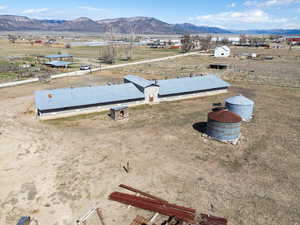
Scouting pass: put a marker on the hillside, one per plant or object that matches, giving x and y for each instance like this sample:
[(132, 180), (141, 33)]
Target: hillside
[(137, 25)]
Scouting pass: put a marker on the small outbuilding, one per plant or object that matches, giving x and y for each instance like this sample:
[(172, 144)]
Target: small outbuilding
[(119, 113), (60, 57), (218, 66), (57, 64), (222, 51), (241, 106)]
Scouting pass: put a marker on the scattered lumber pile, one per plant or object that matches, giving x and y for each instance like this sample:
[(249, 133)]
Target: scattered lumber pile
[(152, 203), (139, 220)]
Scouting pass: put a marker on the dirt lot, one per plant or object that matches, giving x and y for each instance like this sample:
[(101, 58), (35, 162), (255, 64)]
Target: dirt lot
[(55, 171)]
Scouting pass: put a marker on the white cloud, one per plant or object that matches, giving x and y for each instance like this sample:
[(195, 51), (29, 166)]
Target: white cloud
[(270, 2), (252, 16), (90, 8), (3, 7), (232, 5), (34, 11)]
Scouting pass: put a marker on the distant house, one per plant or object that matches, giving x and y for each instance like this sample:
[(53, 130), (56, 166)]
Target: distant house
[(222, 51), (295, 38), (58, 64), (61, 57), (52, 58)]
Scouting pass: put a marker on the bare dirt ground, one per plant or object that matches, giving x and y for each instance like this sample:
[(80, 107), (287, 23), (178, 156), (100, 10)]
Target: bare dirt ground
[(55, 171)]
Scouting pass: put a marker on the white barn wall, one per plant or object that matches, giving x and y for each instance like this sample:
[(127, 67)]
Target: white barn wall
[(76, 112), (190, 96), (151, 91), (222, 52)]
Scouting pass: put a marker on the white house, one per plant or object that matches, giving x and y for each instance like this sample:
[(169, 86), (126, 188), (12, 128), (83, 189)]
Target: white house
[(222, 51)]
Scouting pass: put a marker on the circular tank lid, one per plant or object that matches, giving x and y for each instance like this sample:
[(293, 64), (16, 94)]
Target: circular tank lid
[(239, 100), (224, 116)]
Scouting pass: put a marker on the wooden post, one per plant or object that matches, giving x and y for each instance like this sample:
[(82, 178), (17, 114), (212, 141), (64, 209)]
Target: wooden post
[(154, 217), (100, 216), (84, 218)]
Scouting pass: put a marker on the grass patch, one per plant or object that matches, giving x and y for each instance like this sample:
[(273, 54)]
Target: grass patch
[(163, 50), (29, 59), (5, 63), (8, 75)]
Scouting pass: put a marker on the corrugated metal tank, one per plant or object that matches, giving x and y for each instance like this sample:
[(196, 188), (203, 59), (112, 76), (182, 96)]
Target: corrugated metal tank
[(223, 125), (241, 106)]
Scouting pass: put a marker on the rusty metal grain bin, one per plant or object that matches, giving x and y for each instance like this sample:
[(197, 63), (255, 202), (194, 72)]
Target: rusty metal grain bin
[(223, 125), (241, 106)]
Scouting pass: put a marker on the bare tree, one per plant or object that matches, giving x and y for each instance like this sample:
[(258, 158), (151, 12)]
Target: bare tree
[(108, 53), (225, 41), (243, 39), (187, 43), (205, 43), (12, 38), (128, 50), (290, 44)]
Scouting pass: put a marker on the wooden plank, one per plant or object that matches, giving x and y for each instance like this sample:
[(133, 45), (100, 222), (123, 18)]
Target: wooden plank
[(139, 220), (140, 192)]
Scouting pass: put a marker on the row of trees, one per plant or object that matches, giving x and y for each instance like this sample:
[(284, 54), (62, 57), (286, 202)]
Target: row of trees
[(112, 52), (195, 42)]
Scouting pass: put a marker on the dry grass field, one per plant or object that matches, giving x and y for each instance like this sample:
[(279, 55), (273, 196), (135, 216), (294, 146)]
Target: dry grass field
[(57, 170), (24, 53)]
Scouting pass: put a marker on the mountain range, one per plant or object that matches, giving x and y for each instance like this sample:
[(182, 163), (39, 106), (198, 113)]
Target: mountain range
[(137, 25)]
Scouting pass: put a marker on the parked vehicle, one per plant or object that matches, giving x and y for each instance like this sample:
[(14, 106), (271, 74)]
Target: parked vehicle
[(85, 67)]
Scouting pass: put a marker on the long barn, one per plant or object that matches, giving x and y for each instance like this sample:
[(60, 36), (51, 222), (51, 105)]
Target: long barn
[(135, 90)]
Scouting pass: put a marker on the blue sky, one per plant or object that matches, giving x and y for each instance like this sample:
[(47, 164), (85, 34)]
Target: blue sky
[(239, 14)]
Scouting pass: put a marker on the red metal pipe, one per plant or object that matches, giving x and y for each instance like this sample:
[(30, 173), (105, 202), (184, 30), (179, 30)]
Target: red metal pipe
[(155, 201), (162, 209), (165, 208)]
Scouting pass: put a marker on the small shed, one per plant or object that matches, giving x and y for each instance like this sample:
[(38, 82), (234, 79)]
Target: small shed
[(119, 113), (60, 57), (222, 51), (58, 64), (218, 66)]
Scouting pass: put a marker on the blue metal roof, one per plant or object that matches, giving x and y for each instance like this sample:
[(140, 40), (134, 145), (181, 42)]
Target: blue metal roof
[(298, 36), (190, 84), (58, 63), (72, 97), (239, 100), (58, 56), (139, 81)]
